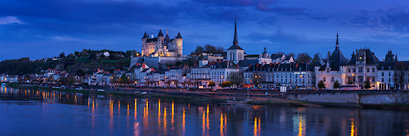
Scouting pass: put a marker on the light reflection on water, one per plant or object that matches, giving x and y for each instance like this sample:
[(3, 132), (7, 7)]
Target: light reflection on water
[(59, 113)]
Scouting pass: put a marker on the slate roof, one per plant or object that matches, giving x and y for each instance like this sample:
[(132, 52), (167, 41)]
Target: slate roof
[(235, 47), (336, 59), (152, 39), (392, 65), (246, 62), (179, 36), (145, 35), (281, 67), (370, 58), (275, 56), (160, 33)]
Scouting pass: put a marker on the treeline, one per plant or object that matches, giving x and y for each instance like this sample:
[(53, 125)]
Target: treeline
[(20, 66), (87, 59)]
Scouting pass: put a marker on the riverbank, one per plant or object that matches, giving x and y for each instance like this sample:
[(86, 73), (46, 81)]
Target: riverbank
[(198, 97)]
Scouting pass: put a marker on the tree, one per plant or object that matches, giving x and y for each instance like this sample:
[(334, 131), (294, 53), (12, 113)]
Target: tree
[(226, 84), (350, 81), (316, 58), (92, 56), (235, 78), (367, 84), (209, 48), (62, 55), (71, 79), (211, 83), (303, 57), (219, 49), (71, 56), (336, 84), (199, 49), (124, 79), (77, 54), (291, 54), (128, 54), (84, 52), (80, 72), (27, 77), (321, 84)]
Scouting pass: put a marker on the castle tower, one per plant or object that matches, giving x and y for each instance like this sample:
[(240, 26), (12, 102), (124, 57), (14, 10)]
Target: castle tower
[(179, 44), (144, 38), (235, 53)]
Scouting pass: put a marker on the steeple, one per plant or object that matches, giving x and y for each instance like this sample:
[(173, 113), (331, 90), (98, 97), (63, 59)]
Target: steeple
[(145, 35), (396, 57), (235, 41), (160, 33), (337, 43)]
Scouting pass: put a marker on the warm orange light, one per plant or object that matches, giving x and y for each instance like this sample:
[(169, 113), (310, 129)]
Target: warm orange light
[(183, 121)]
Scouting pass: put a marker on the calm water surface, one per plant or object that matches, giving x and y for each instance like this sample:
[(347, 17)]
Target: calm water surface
[(39, 112)]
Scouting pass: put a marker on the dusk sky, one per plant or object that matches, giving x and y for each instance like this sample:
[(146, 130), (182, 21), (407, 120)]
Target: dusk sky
[(45, 28)]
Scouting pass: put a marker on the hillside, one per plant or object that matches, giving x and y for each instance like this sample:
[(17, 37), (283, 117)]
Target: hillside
[(87, 60)]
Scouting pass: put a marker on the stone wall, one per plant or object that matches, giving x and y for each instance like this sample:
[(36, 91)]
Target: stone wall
[(397, 98), (376, 97), (326, 97)]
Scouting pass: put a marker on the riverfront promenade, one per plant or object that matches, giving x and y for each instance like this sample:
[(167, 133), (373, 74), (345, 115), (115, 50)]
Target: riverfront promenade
[(304, 98)]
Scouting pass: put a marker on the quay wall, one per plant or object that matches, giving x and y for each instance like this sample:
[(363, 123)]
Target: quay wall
[(361, 97)]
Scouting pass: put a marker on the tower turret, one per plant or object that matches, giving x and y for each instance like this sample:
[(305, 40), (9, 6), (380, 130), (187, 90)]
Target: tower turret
[(179, 44)]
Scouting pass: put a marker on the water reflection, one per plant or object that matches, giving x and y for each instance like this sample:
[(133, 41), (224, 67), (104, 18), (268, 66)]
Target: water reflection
[(93, 114)]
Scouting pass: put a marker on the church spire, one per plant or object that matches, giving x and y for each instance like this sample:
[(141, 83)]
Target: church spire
[(337, 43), (396, 57), (235, 41), (235, 45)]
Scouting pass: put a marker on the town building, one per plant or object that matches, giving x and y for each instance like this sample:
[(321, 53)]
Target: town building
[(292, 75), (333, 70), (217, 72)]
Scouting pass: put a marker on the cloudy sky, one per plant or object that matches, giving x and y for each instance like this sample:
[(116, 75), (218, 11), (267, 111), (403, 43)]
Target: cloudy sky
[(45, 28)]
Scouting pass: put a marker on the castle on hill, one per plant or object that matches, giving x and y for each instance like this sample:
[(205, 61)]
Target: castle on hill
[(161, 46)]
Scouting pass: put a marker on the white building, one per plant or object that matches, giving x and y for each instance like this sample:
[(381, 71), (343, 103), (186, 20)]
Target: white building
[(271, 75), (9, 78), (176, 76), (264, 58), (217, 72), (333, 70), (281, 58), (235, 53)]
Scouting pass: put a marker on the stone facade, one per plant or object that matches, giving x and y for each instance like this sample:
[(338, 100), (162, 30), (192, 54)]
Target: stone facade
[(162, 46)]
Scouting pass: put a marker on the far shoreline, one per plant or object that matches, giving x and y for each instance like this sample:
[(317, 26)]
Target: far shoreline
[(275, 102)]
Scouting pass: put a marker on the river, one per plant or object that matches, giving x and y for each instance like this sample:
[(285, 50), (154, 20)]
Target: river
[(40, 112)]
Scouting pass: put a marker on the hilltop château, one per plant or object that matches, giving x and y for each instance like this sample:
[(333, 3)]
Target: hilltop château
[(162, 46)]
